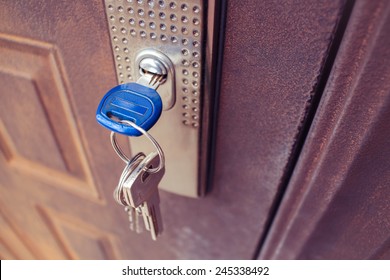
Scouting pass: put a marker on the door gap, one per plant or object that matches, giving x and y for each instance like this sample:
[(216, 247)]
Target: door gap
[(306, 124)]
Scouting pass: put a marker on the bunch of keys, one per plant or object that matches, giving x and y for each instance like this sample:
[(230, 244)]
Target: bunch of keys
[(132, 109)]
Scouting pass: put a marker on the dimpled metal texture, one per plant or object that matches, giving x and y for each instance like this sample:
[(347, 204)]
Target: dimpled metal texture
[(174, 28)]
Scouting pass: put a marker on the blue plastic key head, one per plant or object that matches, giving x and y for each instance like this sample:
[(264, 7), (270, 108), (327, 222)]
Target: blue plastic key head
[(132, 102)]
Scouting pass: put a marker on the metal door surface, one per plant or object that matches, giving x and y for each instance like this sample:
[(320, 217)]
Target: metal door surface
[(58, 170)]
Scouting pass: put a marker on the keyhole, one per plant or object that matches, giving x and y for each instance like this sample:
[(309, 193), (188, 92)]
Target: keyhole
[(153, 66), (146, 72)]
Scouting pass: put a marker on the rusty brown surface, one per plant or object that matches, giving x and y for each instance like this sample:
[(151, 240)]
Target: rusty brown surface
[(337, 205), (274, 55), (271, 64)]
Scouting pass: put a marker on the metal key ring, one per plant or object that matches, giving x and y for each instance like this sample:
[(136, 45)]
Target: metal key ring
[(117, 149), (126, 170), (122, 155)]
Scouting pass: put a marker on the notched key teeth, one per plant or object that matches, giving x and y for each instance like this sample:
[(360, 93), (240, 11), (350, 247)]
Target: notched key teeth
[(138, 227), (130, 213)]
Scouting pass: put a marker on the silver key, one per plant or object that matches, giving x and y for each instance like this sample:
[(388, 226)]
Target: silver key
[(152, 215), (130, 212), (119, 195), (142, 190), (138, 214), (134, 217), (140, 184)]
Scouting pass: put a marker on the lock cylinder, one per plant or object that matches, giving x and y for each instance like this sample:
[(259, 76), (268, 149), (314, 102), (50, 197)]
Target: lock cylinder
[(153, 66), (151, 61), (173, 45)]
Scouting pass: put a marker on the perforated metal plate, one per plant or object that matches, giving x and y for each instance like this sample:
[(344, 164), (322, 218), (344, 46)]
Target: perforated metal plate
[(184, 31)]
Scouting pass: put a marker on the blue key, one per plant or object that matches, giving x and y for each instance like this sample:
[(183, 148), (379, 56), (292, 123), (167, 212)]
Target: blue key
[(132, 102)]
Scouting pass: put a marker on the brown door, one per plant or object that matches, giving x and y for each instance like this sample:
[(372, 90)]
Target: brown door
[(58, 170)]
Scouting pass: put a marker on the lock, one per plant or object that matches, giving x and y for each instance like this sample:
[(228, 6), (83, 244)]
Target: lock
[(155, 62), (139, 102), (180, 41)]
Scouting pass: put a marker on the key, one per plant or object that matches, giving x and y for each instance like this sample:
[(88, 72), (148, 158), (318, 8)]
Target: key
[(152, 215), (136, 102), (119, 196), (140, 184), (141, 189), (133, 216), (138, 214), (130, 213)]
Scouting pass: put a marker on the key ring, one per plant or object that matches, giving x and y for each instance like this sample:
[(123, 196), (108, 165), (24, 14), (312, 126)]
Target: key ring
[(122, 155)]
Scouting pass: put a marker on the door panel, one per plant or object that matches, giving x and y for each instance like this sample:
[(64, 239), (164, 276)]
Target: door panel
[(52, 197), (58, 170), (38, 129), (339, 192), (273, 58)]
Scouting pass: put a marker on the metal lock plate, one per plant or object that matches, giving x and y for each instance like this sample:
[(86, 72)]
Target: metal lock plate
[(185, 32)]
